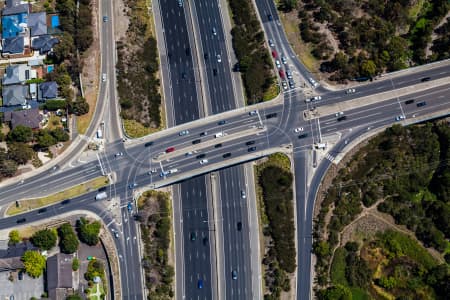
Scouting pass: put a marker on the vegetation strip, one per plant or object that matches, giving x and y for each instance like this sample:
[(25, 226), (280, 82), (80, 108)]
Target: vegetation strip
[(137, 69), (30, 204), (255, 63), (155, 217), (277, 218)]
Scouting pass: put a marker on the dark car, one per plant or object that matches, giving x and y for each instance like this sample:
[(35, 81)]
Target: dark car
[(200, 156), (67, 201), (226, 155), (420, 104), (206, 56), (102, 189), (425, 79), (223, 122), (251, 149), (188, 51), (197, 141), (302, 136), (234, 275), (342, 118), (148, 144), (20, 221), (409, 101), (250, 143), (42, 210), (183, 75), (20, 276), (193, 236), (272, 115), (204, 133), (215, 72), (200, 284), (239, 226), (205, 240), (269, 17), (217, 145)]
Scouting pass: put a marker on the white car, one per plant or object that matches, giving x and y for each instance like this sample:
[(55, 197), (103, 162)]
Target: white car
[(339, 113), (104, 77), (350, 91), (219, 58), (277, 62), (316, 98), (313, 82), (152, 171), (189, 153), (284, 84), (252, 113), (283, 60), (203, 161), (399, 118), (119, 154), (214, 31), (298, 129), (243, 194), (184, 132), (289, 74)]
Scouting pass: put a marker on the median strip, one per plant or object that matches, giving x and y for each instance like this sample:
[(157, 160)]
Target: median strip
[(29, 204)]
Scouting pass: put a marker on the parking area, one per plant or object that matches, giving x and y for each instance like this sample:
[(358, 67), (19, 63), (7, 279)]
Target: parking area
[(85, 251), (20, 289)]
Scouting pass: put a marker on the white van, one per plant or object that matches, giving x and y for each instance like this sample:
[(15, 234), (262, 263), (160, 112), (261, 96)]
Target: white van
[(218, 135), (171, 171)]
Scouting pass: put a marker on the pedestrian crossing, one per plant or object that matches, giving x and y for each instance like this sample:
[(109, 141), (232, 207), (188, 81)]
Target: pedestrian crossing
[(329, 157)]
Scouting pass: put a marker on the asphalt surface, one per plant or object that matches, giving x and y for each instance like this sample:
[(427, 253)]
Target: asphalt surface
[(193, 260)]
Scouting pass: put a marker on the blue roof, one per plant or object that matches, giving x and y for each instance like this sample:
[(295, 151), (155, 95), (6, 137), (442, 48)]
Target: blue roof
[(10, 25), (55, 21)]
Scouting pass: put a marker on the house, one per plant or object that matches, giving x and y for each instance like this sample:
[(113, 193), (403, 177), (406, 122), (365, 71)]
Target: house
[(29, 118), (10, 256), (48, 90), (14, 25), (44, 43), (15, 7), (14, 45), (37, 22), (59, 276), (17, 74), (14, 95)]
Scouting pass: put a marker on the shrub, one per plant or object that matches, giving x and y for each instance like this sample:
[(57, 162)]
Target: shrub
[(44, 239)]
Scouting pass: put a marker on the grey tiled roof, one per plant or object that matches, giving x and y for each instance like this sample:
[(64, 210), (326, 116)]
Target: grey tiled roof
[(28, 117), (59, 271), (38, 23), (14, 7), (13, 45), (44, 43), (15, 74), (49, 90), (14, 95)]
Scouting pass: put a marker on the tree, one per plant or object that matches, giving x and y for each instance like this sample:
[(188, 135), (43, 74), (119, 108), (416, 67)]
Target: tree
[(14, 237), (79, 107), (368, 68), (45, 139), (74, 297), (21, 153), (60, 135), (44, 239), (75, 264), (88, 232), (8, 167), (68, 240), (34, 263), (21, 134)]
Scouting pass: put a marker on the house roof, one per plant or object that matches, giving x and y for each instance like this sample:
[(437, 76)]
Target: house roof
[(44, 43), (16, 74), (10, 263), (13, 25), (14, 95), (59, 271), (14, 7), (49, 90), (13, 45), (38, 23), (28, 117)]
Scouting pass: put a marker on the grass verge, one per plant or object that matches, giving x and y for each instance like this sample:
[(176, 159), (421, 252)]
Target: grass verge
[(134, 129), (272, 92), (30, 204)]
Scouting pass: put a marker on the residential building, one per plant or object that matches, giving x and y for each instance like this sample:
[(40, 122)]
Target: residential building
[(14, 95), (59, 276), (37, 22), (18, 74), (48, 90), (14, 45), (44, 43), (27, 117), (13, 7)]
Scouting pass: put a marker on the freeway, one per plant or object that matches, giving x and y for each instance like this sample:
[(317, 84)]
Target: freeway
[(233, 246)]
